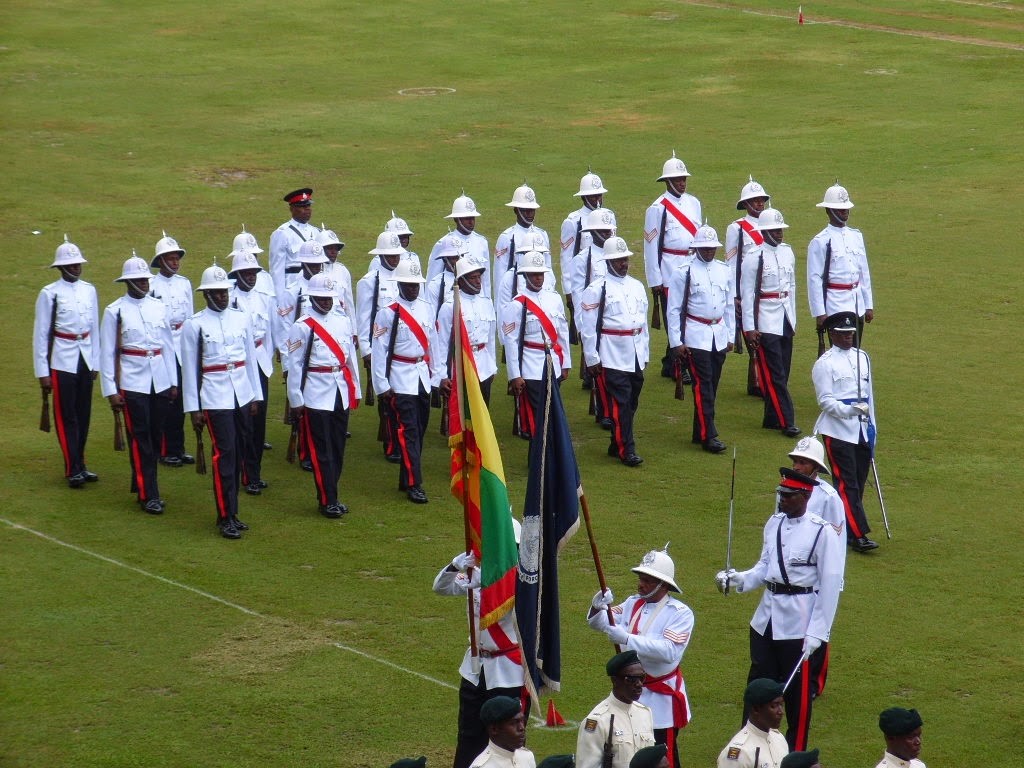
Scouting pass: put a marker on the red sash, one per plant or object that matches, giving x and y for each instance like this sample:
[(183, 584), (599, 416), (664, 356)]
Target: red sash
[(679, 216), (545, 323), (332, 344), (414, 326), (747, 227), (505, 645), (660, 685)]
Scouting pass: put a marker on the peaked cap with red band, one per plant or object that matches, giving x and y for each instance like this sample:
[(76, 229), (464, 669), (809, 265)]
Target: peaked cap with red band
[(795, 482), (302, 196)]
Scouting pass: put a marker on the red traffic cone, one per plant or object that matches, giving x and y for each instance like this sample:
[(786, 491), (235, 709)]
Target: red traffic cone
[(554, 718), (800, 15)]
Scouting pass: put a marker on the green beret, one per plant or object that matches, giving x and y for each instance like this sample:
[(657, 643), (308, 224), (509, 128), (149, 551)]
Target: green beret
[(648, 757), (761, 691), (897, 721), (499, 709), (410, 762), (558, 761), (620, 661), (800, 759)]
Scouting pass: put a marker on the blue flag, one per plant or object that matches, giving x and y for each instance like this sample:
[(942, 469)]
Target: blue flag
[(550, 518)]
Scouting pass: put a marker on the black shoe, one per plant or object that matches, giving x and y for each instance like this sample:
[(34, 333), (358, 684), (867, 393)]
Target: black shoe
[(90, 477), (307, 465), (348, 435), (393, 458), (632, 460), (253, 489), (171, 461), (77, 481), (267, 446), (416, 495), (714, 445), (792, 430), (525, 435), (228, 530), (239, 525), (187, 458), (863, 544), (606, 423), (152, 507), (262, 483), (333, 511)]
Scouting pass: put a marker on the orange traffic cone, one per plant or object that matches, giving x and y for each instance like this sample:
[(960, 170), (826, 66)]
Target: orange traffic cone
[(800, 15), (554, 718)]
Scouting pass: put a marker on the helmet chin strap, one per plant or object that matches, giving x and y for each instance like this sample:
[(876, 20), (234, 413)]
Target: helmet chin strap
[(653, 592)]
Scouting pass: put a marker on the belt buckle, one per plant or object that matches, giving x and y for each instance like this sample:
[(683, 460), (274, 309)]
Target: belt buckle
[(78, 337), (229, 367), (335, 368), (149, 353)]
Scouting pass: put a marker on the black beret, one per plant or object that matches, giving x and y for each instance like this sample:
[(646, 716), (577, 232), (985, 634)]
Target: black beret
[(841, 321), (800, 759), (648, 757), (761, 691), (499, 709), (558, 761), (620, 661), (897, 721), (410, 762)]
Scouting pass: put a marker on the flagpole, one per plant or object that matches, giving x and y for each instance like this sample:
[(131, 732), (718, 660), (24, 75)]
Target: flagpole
[(597, 557)]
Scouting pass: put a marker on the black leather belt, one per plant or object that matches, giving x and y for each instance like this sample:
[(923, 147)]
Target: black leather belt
[(786, 589)]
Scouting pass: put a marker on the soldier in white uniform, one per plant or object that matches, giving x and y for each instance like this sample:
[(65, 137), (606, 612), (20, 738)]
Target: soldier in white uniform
[(338, 273), (397, 225), (66, 356), (534, 327), (524, 204), (759, 743), (221, 389), (496, 671), (439, 288), (700, 329), (575, 238), (768, 295), (902, 729), (267, 328), (838, 278), (464, 214), (616, 344), (742, 237), (323, 387), (670, 224), (403, 340), (175, 291), (620, 725), (658, 628), (286, 239), (584, 268), (139, 375), (843, 386), (801, 571), (511, 281), (506, 735), (246, 241), (808, 457), (481, 327)]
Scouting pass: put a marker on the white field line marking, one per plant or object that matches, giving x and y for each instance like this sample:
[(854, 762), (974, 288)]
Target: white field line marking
[(222, 601), (963, 40)]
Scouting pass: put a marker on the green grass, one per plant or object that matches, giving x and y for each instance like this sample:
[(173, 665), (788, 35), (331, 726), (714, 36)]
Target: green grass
[(121, 119)]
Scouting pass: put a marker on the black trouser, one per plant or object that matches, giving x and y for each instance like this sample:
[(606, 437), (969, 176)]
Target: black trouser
[(325, 431), (144, 416), (850, 464), (776, 659), (705, 370), (473, 733), (387, 429), (623, 389), (252, 470), (229, 430), (774, 359), (670, 738), (531, 403), (72, 410), (410, 414), (172, 437)]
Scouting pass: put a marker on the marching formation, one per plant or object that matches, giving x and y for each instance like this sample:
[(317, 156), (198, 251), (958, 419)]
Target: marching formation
[(389, 340)]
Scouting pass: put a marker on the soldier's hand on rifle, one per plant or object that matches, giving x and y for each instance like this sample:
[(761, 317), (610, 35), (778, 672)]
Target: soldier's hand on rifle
[(46, 384), (658, 290), (753, 338), (172, 394), (366, 359), (254, 407), (869, 315), (517, 385), (681, 351), (819, 322), (387, 394), (565, 374), (198, 420), (594, 370), (730, 347), (446, 387), (116, 402), (297, 412)]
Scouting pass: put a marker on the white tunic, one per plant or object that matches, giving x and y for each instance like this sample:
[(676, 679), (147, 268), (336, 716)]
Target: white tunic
[(778, 288), (147, 351), (848, 275), (836, 387), (632, 730), (711, 319), (176, 294), (227, 348), (76, 323), (625, 315), (677, 239)]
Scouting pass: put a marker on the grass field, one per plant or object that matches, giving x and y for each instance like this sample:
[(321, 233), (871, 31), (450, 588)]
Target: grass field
[(129, 640)]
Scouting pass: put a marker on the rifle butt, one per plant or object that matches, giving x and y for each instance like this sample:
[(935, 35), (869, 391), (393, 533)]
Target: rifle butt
[(44, 415), (656, 311), (293, 443), (680, 387), (118, 432), (200, 452)]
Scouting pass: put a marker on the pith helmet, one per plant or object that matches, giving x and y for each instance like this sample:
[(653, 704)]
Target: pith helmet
[(311, 252), (615, 248), (463, 208), (67, 254), (673, 168), (215, 279), (321, 285), (771, 218), (164, 245), (244, 241), (590, 184), (706, 237), (523, 197), (599, 219), (452, 246), (811, 449), (751, 190), (658, 564), (328, 237), (134, 268), (407, 272), (242, 260), (388, 245), (397, 225), (468, 264), (533, 261), (836, 197), (534, 241)]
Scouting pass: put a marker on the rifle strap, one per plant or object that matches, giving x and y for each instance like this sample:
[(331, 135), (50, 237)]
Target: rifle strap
[(295, 229), (824, 275), (757, 290), (522, 331), (600, 314), (684, 308)]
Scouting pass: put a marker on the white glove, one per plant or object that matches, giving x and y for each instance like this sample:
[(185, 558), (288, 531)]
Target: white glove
[(618, 635), (862, 409), (729, 578), (602, 600), (463, 561), (811, 644)]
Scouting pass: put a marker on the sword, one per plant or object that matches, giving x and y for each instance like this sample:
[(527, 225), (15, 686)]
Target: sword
[(881, 501), (732, 502), (803, 658)]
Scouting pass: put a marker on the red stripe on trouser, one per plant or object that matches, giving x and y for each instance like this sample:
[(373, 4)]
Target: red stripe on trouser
[(823, 672), (527, 418), (804, 723), (768, 386), (314, 457), (670, 747), (403, 448), (58, 418), (620, 445), (215, 458), (303, 440), (698, 401), (601, 411), (842, 490), (136, 458)]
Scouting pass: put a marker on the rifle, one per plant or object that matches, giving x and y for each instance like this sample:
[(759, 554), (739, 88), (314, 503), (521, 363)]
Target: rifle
[(658, 309), (200, 448), (599, 327), (683, 310), (369, 398), (728, 542), (607, 754), (293, 437), (293, 442), (444, 414), (44, 414), (824, 298), (200, 452), (118, 425), (574, 334), (737, 344)]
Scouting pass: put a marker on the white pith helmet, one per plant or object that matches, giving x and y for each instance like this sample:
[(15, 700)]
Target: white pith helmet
[(533, 262), (388, 245), (398, 226), (215, 279), (463, 207), (244, 241), (658, 564), (134, 268), (322, 286), (242, 260), (468, 264), (523, 197), (590, 184), (750, 191), (836, 197), (452, 246), (615, 248), (328, 237), (673, 168), (706, 237), (311, 252), (166, 244), (67, 253), (407, 272), (770, 218), (599, 219), (810, 448), (534, 241)]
